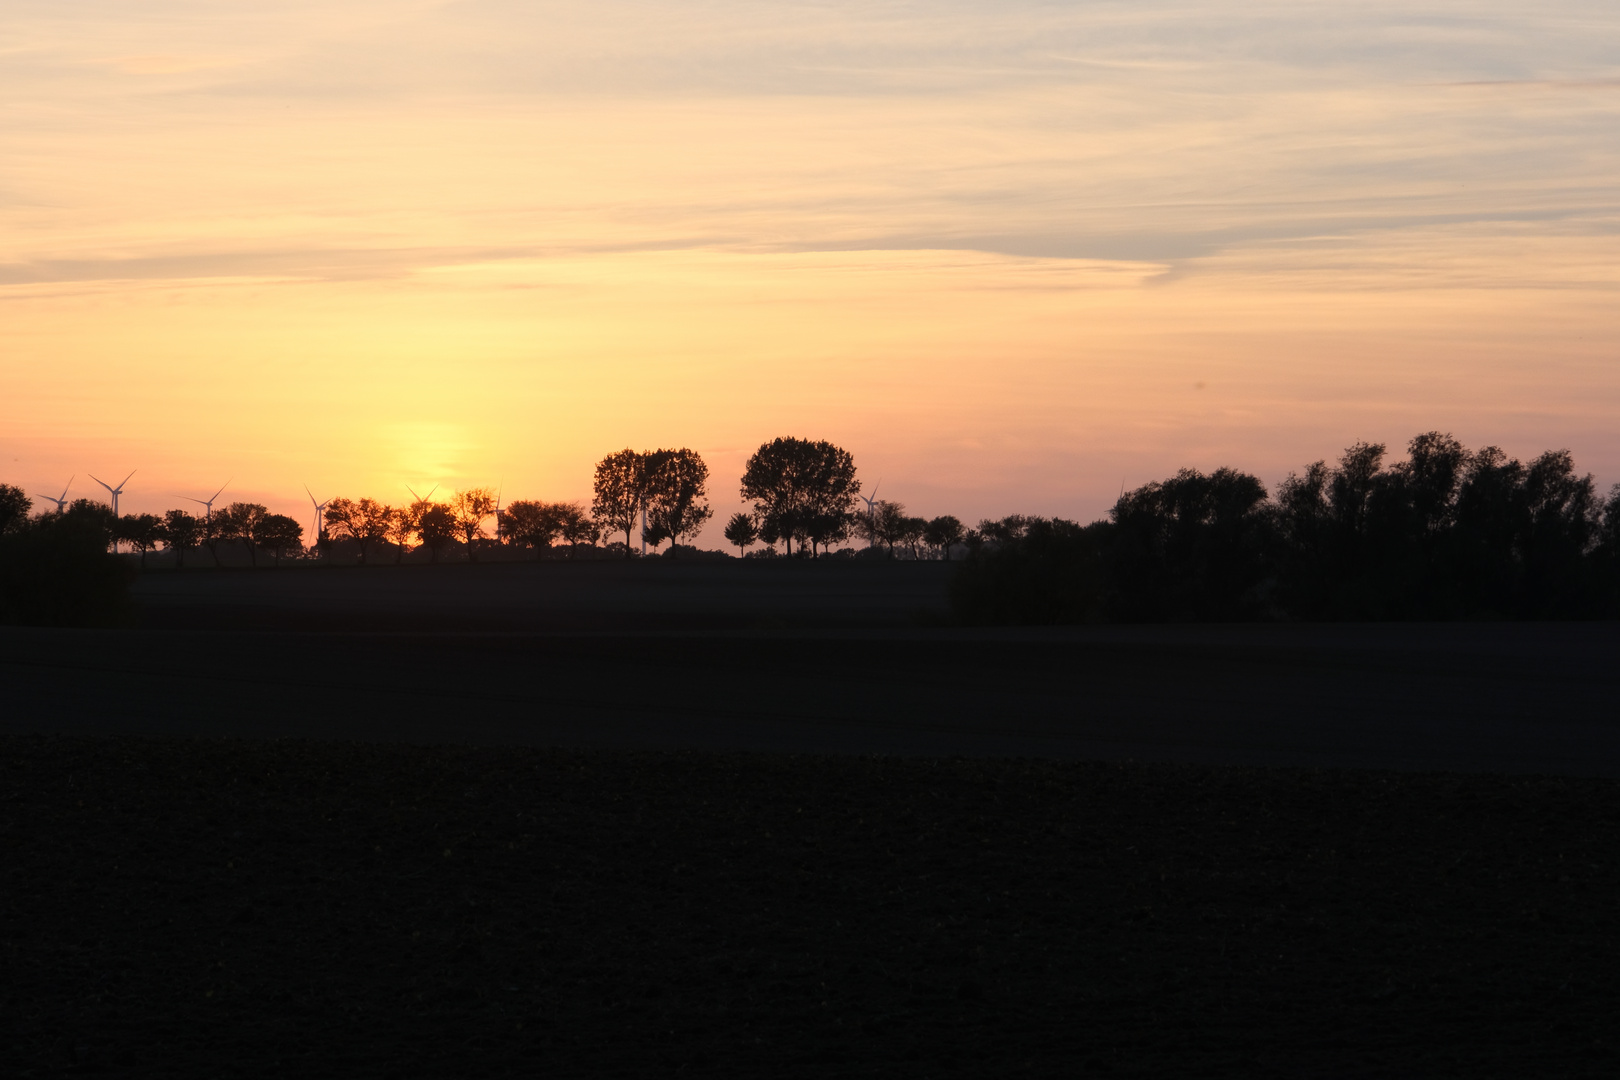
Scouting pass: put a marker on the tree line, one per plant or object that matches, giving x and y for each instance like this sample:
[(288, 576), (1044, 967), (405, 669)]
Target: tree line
[(803, 491), (1447, 533), (803, 494)]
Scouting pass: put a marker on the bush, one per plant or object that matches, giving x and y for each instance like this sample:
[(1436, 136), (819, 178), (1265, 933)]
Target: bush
[(1054, 573), (56, 571), (688, 552)]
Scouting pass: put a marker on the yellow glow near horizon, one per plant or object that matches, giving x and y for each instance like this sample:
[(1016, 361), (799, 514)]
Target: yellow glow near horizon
[(1011, 259)]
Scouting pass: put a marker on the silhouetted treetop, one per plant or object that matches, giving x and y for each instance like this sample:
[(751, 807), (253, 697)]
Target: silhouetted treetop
[(469, 509), (14, 507), (365, 521), (620, 490), (801, 490), (182, 532), (675, 490), (740, 530)]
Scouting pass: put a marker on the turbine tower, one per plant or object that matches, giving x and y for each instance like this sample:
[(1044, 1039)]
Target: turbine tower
[(208, 503), (115, 492), (320, 508), (499, 488), (61, 502), (870, 503)]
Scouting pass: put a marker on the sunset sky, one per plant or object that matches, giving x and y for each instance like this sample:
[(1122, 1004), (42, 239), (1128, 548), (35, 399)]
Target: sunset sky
[(1013, 256)]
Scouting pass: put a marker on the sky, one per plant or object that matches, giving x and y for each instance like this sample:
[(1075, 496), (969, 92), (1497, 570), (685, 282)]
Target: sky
[(1013, 256)]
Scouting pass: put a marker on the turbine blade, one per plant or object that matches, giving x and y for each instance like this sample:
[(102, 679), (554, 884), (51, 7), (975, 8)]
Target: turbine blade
[(125, 480), (222, 487)]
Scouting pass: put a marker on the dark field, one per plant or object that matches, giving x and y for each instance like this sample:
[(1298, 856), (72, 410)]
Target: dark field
[(805, 658), (241, 837), (613, 596), (243, 909)]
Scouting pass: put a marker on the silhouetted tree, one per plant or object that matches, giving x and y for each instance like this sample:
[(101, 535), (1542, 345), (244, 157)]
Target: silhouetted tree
[(365, 521), (826, 528), (1563, 522), (620, 490), (577, 526), (675, 489), (863, 525), (240, 521), (770, 531), (279, 534), (1606, 554), (437, 528), (1004, 530), (1193, 546), (798, 488), (1053, 571), (469, 509), (888, 523), (740, 530), (944, 532), (14, 507), (535, 524), (913, 530), (55, 569), (181, 532), (143, 531), (402, 527), (208, 533)]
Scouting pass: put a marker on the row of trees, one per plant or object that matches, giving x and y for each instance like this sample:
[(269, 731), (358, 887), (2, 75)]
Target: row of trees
[(251, 525), (1447, 533), (802, 492)]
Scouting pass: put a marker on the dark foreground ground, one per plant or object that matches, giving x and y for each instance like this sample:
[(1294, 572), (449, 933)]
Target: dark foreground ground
[(780, 821), (1500, 698), (231, 908), (800, 657)]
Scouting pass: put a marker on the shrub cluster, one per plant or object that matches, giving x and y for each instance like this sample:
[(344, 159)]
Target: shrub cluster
[(55, 570), (1446, 534)]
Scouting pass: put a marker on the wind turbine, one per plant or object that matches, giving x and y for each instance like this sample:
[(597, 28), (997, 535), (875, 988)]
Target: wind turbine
[(320, 508), (62, 501), (870, 516), (208, 503), (422, 498), (113, 491), (500, 487)]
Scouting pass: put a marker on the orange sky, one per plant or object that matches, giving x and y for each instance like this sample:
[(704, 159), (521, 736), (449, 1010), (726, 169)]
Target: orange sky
[(1010, 259)]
